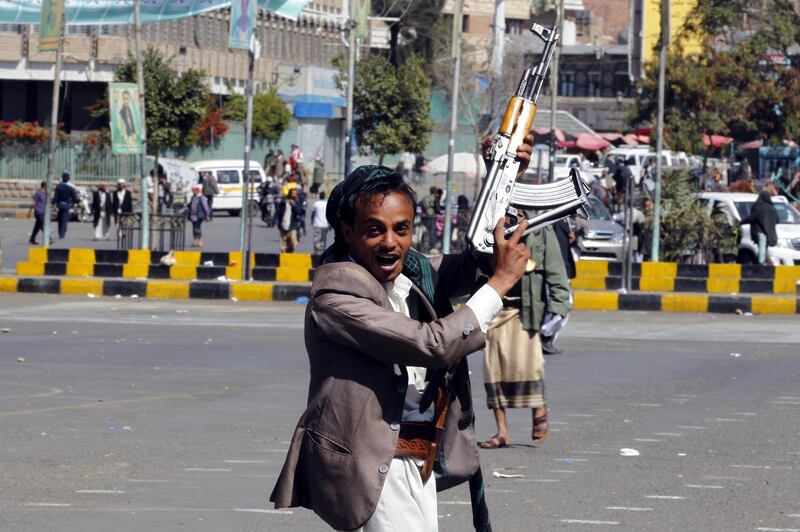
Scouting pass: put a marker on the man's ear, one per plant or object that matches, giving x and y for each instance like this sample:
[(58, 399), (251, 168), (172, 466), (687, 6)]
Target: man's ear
[(347, 232)]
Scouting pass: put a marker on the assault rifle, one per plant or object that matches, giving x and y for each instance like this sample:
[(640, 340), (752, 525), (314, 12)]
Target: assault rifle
[(500, 195)]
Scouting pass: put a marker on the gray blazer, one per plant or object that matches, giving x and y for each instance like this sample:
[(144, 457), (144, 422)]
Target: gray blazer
[(345, 440)]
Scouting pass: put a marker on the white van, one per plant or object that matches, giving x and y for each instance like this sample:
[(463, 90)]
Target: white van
[(644, 157), (736, 206), (229, 179)]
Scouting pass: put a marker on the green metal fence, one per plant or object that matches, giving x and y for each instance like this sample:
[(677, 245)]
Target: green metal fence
[(24, 162)]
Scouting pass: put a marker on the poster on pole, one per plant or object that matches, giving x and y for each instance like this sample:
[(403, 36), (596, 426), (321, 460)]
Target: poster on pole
[(126, 119), (243, 21), (361, 16), (50, 25)]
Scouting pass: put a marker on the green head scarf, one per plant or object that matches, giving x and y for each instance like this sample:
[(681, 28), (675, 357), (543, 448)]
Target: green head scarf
[(416, 266)]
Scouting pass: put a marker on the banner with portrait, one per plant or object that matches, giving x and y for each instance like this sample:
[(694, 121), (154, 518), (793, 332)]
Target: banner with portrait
[(50, 25), (243, 21), (125, 119)]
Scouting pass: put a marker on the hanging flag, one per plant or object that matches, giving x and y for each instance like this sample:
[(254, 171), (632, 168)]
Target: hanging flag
[(126, 119), (361, 9), (243, 23), (50, 25), (110, 12)]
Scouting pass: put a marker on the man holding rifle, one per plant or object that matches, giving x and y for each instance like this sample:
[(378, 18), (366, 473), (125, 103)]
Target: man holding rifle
[(389, 419)]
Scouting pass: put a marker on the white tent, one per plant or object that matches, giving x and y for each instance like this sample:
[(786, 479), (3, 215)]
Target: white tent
[(463, 163)]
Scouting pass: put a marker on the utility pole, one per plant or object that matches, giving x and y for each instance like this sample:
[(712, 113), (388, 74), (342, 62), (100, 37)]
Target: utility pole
[(350, 26), (551, 171), (53, 129), (451, 145), (246, 218), (662, 71), (145, 180)]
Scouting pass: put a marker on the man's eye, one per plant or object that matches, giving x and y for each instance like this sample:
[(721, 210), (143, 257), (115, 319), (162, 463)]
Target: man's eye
[(402, 230), (373, 231)]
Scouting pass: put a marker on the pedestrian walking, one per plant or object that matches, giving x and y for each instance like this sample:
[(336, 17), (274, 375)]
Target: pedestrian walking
[(513, 351), (122, 202), (165, 197), (419, 163), (380, 418), (554, 322), (199, 211), (64, 197), (289, 215), (429, 208), (38, 210), (763, 219), (210, 189), (320, 224), (102, 211), (269, 164), (280, 166)]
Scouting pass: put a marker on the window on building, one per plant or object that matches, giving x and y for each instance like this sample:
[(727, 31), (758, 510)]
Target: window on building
[(516, 26), (10, 28), (622, 84), (567, 83), (593, 84), (583, 22)]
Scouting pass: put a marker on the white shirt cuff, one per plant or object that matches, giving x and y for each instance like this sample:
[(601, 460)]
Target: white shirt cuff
[(486, 303)]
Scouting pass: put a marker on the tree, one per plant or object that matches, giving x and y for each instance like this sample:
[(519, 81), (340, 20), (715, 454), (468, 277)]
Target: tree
[(686, 228), (270, 114), (733, 87), (392, 105), (174, 104), (420, 28)]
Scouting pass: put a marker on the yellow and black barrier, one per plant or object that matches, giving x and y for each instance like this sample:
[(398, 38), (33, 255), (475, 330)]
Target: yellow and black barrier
[(262, 291), (158, 289), (705, 278), (145, 264)]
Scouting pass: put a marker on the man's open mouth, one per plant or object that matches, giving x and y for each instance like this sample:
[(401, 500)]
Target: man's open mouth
[(387, 262)]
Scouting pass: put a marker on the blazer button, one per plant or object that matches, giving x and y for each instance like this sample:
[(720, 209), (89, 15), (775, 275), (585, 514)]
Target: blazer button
[(468, 329), (383, 469), (394, 426)]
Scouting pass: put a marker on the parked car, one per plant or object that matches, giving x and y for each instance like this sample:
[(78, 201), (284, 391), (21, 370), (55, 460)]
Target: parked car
[(599, 237), (229, 179), (736, 206), (644, 157)]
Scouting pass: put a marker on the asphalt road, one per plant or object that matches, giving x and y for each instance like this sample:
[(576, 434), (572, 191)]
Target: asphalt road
[(141, 415)]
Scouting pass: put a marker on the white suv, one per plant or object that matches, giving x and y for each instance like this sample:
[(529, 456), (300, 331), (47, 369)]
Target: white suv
[(737, 205)]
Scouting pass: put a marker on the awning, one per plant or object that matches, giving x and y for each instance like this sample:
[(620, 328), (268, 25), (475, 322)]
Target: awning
[(109, 12), (716, 140), (589, 142)]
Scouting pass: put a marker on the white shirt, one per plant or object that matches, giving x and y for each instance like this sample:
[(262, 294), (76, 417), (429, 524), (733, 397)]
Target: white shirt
[(102, 196), (485, 304), (318, 218)]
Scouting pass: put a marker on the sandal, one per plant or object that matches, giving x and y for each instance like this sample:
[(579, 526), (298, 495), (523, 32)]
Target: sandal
[(495, 442), (541, 429)]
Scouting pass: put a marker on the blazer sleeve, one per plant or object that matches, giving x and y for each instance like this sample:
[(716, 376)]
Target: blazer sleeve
[(555, 275), (353, 319)]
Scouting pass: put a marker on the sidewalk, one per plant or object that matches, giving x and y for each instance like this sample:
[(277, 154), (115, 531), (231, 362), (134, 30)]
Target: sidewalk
[(221, 235)]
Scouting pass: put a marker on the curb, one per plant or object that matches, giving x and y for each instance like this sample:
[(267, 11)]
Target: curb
[(156, 289), (265, 291), (697, 303)]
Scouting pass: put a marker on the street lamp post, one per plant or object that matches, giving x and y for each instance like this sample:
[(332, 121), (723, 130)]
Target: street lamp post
[(451, 145), (53, 130), (662, 69)]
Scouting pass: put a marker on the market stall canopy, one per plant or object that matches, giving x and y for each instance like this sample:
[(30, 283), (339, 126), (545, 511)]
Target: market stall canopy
[(716, 140), (752, 145), (589, 142), (463, 163), (109, 12), (543, 135)]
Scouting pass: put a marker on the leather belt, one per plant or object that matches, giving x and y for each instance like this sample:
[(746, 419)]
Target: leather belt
[(416, 440)]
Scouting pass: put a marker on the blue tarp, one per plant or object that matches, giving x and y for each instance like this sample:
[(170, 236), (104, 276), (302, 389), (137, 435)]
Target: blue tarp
[(314, 110)]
